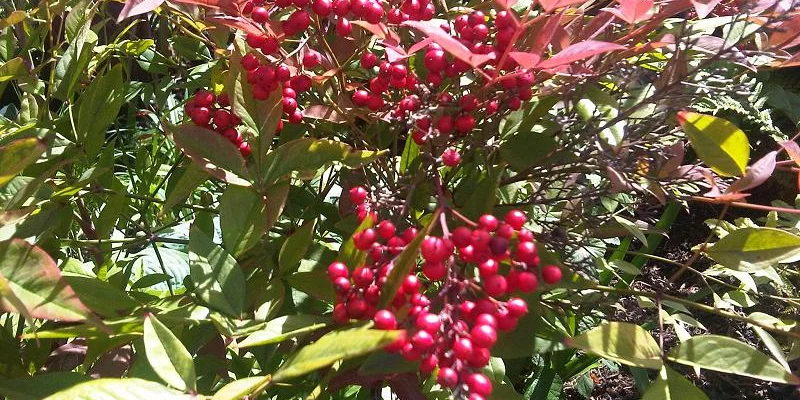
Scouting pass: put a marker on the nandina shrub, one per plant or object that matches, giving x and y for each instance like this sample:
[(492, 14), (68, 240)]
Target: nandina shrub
[(389, 199)]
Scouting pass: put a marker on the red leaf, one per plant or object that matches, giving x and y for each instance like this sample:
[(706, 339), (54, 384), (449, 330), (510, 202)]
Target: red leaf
[(433, 30), (755, 174), (550, 5), (633, 11), (704, 7), (793, 150), (204, 3), (579, 51), (506, 4), (525, 60), (379, 30), (243, 24), (784, 35), (544, 36), (136, 7)]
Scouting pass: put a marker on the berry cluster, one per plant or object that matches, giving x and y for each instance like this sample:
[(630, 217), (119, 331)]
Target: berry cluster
[(451, 313), (213, 112), (264, 78)]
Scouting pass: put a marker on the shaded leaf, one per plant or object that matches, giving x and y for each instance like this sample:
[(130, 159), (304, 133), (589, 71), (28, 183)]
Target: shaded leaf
[(218, 279), (335, 346), (136, 7), (242, 218), (97, 109), (283, 328), (309, 154), (724, 354), (718, 143), (40, 386), (401, 267), (625, 343), (550, 5), (704, 7), (167, 355), (295, 247), (750, 249)]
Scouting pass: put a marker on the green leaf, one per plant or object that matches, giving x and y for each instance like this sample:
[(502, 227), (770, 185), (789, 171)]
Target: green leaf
[(481, 197), (622, 342), (295, 247), (14, 68), (720, 144), (120, 389), (670, 385), (724, 354), (211, 152), (40, 386), (524, 149), (348, 253), (97, 109), (242, 217), (409, 156), (751, 249), (403, 264), (286, 327), (100, 296), (335, 346), (241, 388), (309, 154), (218, 279), (385, 363), (74, 62), (313, 283), (184, 182), (17, 155), (166, 354), (31, 284), (533, 335), (150, 280)]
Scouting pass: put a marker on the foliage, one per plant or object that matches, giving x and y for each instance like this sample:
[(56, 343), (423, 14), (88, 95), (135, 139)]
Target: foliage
[(359, 199)]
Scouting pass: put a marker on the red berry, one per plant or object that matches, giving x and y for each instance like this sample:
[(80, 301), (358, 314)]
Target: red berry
[(386, 229), (488, 268), (363, 240), (233, 136), (311, 59), (480, 357), (450, 157), (465, 123), (428, 322), (435, 249), (409, 234), (526, 252), (477, 17), (428, 364), (360, 97), (462, 236), (479, 383), (358, 194), (488, 222), (385, 320), (498, 245), (375, 102), (422, 340), (434, 271), (398, 342), (341, 285), (527, 282), (468, 102), (204, 98), (322, 8), (517, 307), (411, 284), (260, 15), (525, 235), (362, 276), (505, 321), (337, 270), (356, 308), (343, 27), (418, 299), (255, 40), (289, 105), (483, 336), (462, 349), (435, 61), (551, 274), (516, 219), (340, 314), (486, 318), (301, 83), (447, 377), (244, 149), (282, 72), (467, 309), (249, 62), (200, 115), (445, 124)]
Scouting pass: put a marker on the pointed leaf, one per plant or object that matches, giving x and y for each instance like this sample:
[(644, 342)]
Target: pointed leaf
[(704, 7), (136, 7), (98, 108), (120, 389), (212, 152), (17, 155), (241, 388), (309, 154), (335, 346), (633, 11), (40, 386), (218, 279), (405, 262), (718, 143), (295, 247), (625, 343), (242, 218), (579, 51), (31, 284), (283, 328), (433, 30), (751, 249), (756, 174), (671, 385), (724, 354), (166, 354)]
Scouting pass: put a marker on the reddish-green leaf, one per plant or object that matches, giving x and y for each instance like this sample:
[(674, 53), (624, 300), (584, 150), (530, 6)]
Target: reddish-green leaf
[(433, 30), (212, 152), (579, 51), (31, 284), (550, 5)]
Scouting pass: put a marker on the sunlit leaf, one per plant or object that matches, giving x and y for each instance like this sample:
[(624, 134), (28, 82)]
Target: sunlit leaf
[(670, 385), (212, 152), (283, 328), (119, 389), (622, 342), (750, 249), (295, 247), (167, 355), (718, 143), (218, 279), (17, 155)]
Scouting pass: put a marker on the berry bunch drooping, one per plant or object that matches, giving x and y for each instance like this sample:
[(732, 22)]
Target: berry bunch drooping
[(209, 111), (466, 289)]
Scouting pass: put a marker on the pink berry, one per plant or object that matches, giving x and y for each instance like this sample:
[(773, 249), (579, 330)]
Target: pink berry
[(486, 318), (516, 219), (358, 194), (337, 270), (526, 252), (385, 320), (480, 357), (363, 240), (409, 234), (527, 282), (435, 249), (362, 276), (447, 377), (479, 383), (483, 336), (244, 149), (551, 274), (488, 268), (435, 61), (450, 157), (488, 222), (341, 285), (356, 308)]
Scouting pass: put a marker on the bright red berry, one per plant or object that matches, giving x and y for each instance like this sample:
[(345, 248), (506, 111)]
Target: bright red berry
[(386, 229), (428, 322), (488, 268), (483, 336), (422, 340), (450, 157), (249, 62), (337, 270), (527, 281), (411, 284), (479, 383), (551, 274), (447, 377), (260, 15), (385, 320), (363, 240), (464, 123), (517, 307), (462, 349), (311, 59), (358, 194), (434, 271)]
